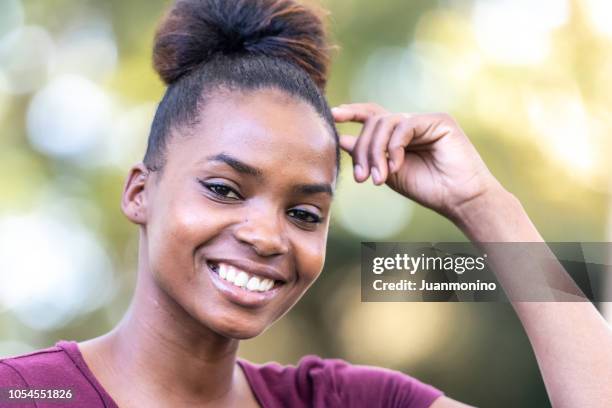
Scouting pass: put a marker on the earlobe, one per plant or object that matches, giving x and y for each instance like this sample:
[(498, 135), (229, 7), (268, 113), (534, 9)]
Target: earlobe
[(133, 199)]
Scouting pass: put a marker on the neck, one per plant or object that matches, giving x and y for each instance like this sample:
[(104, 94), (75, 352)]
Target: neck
[(166, 351)]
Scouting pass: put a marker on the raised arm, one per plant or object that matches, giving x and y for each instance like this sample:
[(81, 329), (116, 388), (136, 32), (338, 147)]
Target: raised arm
[(428, 158), (571, 340)]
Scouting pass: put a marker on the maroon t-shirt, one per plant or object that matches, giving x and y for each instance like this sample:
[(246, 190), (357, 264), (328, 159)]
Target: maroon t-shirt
[(313, 382)]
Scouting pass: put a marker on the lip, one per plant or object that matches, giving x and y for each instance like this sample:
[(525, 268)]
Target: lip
[(253, 268), (242, 296)]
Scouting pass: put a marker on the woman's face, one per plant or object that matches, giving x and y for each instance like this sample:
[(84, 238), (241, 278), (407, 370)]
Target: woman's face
[(236, 223)]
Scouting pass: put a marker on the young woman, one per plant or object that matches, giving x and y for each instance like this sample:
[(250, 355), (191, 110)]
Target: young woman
[(233, 202)]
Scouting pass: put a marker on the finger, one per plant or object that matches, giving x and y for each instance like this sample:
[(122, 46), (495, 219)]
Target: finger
[(347, 143), (356, 112), (379, 145), (360, 151), (401, 137), (427, 128)]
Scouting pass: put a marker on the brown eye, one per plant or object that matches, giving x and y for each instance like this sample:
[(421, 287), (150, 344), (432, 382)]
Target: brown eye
[(305, 216), (222, 190)]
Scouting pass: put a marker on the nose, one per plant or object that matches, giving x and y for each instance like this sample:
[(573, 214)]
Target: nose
[(264, 232)]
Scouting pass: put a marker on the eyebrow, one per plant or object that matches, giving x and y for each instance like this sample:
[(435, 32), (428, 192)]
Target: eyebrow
[(308, 189), (242, 167), (239, 166)]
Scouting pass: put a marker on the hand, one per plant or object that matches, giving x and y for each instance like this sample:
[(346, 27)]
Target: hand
[(425, 157)]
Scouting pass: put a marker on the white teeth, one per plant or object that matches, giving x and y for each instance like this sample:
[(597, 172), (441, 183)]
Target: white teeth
[(265, 284), (253, 283), (231, 273), (243, 279)]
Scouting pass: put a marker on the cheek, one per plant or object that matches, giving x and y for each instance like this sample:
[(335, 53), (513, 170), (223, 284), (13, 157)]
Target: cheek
[(310, 256), (176, 230)]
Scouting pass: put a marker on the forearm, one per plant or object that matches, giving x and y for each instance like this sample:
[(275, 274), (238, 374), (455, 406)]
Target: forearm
[(496, 216), (571, 341)]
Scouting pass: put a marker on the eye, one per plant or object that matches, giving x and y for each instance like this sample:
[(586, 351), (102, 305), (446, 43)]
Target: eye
[(221, 190), (305, 216)]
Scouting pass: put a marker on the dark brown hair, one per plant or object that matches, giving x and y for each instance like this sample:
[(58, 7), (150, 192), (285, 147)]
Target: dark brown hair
[(206, 45)]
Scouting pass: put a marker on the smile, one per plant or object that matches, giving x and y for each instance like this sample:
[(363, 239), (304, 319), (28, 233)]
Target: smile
[(247, 289), (242, 279)]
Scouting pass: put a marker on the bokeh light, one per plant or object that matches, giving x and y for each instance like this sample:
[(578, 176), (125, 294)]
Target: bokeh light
[(88, 50), (386, 214), (518, 31), (398, 334), (11, 16), (563, 124), (25, 57), (600, 13), (69, 117), (409, 78), (51, 270)]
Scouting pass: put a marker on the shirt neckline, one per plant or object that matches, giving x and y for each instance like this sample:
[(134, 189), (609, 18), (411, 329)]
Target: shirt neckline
[(246, 369), (71, 347), (73, 351)]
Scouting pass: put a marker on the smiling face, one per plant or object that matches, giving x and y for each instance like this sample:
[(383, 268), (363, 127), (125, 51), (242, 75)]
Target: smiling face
[(236, 222)]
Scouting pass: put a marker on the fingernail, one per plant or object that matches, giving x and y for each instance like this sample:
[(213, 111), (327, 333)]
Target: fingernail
[(391, 166), (375, 175), (358, 171)]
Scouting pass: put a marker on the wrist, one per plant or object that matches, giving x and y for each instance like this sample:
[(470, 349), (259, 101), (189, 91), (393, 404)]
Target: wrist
[(494, 215), (492, 193)]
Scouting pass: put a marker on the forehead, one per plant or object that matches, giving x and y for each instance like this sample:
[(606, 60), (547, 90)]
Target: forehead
[(267, 128)]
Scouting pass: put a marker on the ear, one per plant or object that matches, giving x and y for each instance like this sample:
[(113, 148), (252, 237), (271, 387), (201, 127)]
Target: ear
[(133, 199)]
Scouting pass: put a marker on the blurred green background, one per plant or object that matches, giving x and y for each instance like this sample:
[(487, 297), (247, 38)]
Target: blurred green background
[(530, 83)]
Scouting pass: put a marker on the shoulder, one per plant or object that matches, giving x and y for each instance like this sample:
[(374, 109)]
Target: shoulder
[(327, 381), (29, 369), (55, 367)]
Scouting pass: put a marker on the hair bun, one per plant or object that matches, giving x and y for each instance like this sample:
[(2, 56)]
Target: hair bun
[(195, 31)]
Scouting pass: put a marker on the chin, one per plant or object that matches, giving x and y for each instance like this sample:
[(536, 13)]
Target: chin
[(239, 329)]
